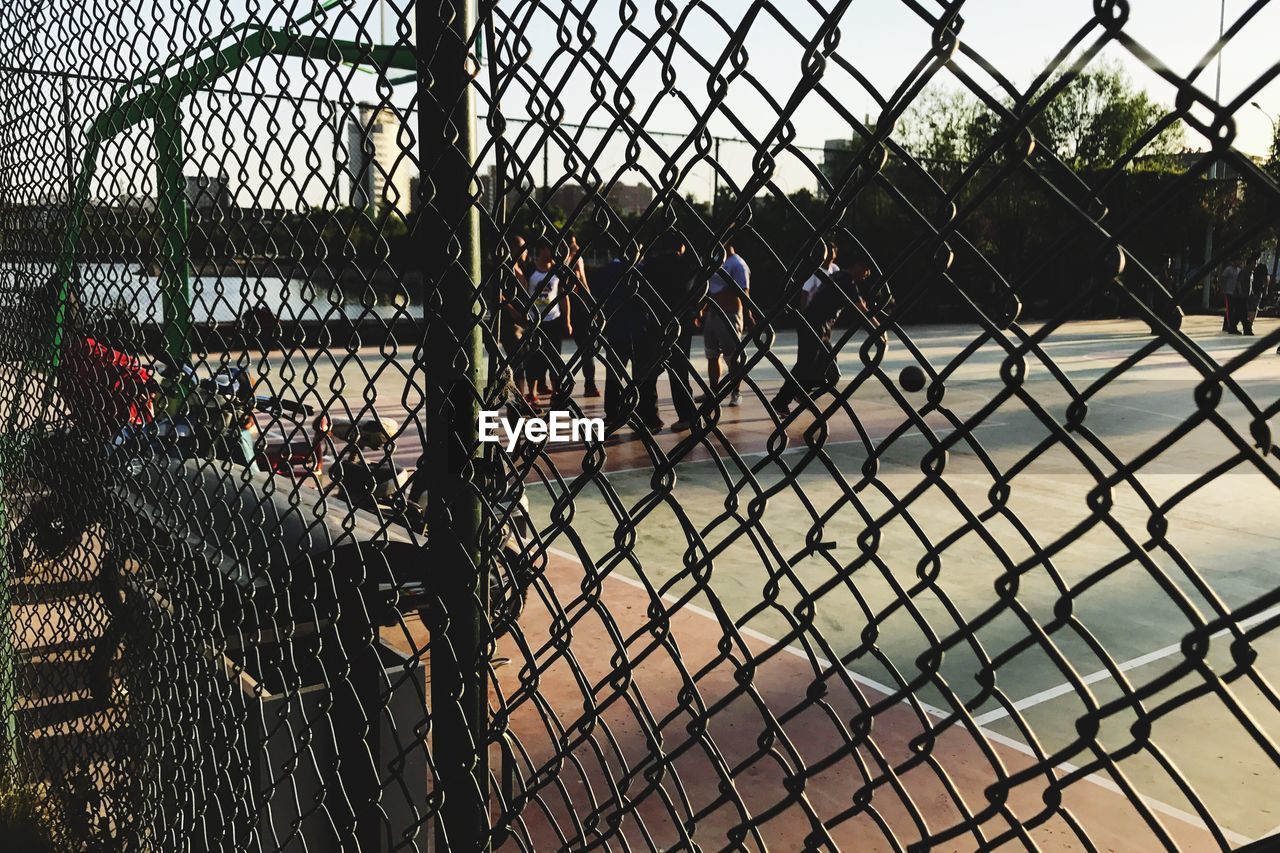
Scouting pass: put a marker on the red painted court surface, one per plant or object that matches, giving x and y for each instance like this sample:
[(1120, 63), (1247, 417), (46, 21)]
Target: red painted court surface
[(715, 709), (681, 636)]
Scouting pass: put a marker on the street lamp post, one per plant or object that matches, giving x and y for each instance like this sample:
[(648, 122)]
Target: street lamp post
[(1257, 106)]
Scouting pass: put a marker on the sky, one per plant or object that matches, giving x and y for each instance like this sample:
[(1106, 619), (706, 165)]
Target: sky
[(884, 40)]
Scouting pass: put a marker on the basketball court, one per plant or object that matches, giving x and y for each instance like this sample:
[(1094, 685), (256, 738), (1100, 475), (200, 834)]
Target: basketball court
[(731, 617)]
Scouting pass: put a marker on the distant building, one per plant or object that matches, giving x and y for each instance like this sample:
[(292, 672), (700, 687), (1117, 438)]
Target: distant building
[(379, 167), (835, 158), (631, 198), (628, 199), (837, 154), (489, 189), (207, 194)]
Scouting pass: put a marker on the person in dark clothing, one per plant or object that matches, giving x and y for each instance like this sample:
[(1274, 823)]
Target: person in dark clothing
[(509, 316), (1229, 282), (668, 278), (1261, 281), (1239, 300), (631, 340), (578, 293), (815, 368), (1253, 283)]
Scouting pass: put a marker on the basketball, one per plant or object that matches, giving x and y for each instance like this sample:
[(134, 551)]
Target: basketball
[(911, 378)]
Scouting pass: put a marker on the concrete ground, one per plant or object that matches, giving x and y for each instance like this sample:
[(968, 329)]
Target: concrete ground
[(793, 541)]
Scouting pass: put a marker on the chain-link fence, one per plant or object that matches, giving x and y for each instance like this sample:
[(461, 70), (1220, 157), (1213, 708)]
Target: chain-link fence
[(928, 506)]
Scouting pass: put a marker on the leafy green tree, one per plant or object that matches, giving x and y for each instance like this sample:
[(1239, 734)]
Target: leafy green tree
[(1091, 124), (1099, 116), (942, 127)]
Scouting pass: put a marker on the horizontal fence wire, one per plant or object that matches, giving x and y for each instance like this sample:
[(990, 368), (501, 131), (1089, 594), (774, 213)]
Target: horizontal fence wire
[(951, 532)]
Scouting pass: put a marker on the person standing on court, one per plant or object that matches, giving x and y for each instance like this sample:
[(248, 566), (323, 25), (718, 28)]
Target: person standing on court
[(815, 281), (631, 338), (549, 321), (1240, 302), (1255, 278), (815, 369), (667, 286), (723, 319), (511, 319), (584, 336), (1261, 278), (1229, 282)]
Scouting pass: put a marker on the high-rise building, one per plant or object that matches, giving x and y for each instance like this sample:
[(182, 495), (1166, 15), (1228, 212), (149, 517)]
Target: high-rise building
[(836, 154), (380, 162)]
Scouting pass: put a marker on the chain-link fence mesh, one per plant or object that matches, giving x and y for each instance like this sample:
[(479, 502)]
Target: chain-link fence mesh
[(930, 508)]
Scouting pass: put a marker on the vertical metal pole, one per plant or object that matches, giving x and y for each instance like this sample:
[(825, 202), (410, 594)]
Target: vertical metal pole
[(8, 650), (453, 354), (68, 143), (171, 210), (1207, 285), (715, 190)]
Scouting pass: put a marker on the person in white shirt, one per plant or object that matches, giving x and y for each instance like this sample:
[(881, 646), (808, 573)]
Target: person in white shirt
[(722, 318), (549, 314), (816, 280)]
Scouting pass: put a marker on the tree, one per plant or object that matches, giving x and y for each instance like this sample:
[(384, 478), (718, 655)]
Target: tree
[(1098, 117), (1091, 124), (940, 126)]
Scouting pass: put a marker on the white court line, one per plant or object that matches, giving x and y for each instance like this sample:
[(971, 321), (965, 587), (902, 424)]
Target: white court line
[(940, 431), (1064, 767), (1103, 674), (1178, 418)]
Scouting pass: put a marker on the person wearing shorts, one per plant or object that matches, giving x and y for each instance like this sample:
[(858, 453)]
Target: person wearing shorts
[(722, 319), (549, 316)]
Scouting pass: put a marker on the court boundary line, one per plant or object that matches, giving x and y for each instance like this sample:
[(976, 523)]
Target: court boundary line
[(1066, 687), (790, 450), (1064, 767)]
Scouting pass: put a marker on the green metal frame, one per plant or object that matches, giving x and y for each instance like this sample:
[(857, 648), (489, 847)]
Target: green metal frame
[(163, 90), (160, 102)]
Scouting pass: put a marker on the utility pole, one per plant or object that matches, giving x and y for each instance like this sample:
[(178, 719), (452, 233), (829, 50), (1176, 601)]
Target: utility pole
[(1206, 286), (715, 190)]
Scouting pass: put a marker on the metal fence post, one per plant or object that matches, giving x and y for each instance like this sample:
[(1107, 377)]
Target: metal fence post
[(449, 238), (175, 289), (8, 647)]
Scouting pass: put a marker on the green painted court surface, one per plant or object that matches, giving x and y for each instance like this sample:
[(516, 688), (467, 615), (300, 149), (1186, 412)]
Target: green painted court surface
[(935, 573), (756, 526)]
